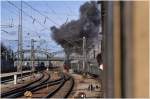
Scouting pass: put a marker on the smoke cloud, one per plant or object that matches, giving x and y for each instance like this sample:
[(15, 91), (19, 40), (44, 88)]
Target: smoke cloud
[(70, 35)]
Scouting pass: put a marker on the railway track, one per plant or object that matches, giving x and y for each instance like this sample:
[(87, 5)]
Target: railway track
[(44, 88), (20, 90), (63, 89), (60, 88), (4, 94)]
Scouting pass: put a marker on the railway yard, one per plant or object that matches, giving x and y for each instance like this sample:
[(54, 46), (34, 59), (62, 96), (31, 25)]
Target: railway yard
[(51, 84), (74, 49)]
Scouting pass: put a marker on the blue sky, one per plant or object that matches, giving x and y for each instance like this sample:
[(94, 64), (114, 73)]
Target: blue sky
[(58, 13)]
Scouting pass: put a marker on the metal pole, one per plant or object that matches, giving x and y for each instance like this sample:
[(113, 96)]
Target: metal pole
[(20, 55), (21, 40), (32, 54), (6, 56), (15, 78), (47, 58), (84, 53)]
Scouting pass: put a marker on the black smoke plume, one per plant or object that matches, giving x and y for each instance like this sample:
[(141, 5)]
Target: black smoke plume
[(70, 35)]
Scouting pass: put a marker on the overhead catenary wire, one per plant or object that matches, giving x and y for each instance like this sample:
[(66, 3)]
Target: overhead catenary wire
[(24, 12), (13, 12), (5, 31), (45, 17), (52, 10), (36, 10), (27, 14), (68, 7), (41, 13), (11, 41), (60, 14)]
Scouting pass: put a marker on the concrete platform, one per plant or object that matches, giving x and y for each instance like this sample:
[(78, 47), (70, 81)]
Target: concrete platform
[(25, 80), (10, 85), (13, 73)]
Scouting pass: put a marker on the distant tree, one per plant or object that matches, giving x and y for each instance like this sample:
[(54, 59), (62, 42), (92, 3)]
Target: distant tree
[(6, 52)]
